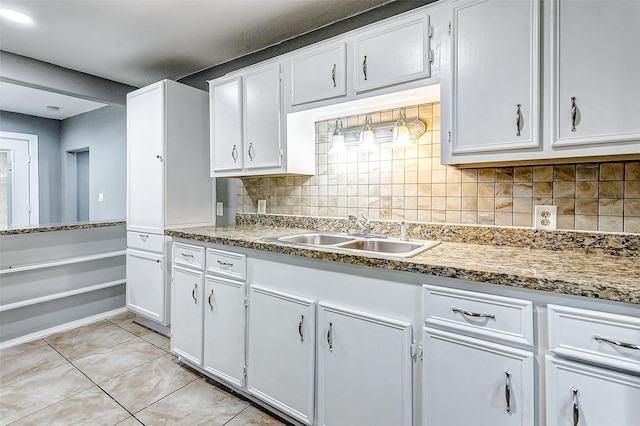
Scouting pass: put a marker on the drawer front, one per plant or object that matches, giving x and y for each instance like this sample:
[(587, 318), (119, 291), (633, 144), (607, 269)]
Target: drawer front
[(143, 241), (188, 255), (227, 264), (594, 336), (503, 318)]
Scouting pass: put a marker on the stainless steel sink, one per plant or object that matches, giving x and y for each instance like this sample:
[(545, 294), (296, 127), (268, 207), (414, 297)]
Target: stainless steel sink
[(389, 247), (313, 239)]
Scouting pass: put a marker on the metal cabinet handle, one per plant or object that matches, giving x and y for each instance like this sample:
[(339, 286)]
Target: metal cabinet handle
[(576, 408), (300, 328), (507, 390), (364, 67), (224, 265), (472, 314), (159, 157), (330, 337), (186, 255), (518, 120), (209, 300), (574, 113), (144, 237), (234, 154), (617, 343), (333, 75), (193, 293), (251, 151)]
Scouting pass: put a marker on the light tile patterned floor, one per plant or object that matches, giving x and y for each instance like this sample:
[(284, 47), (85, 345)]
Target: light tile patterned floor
[(112, 372)]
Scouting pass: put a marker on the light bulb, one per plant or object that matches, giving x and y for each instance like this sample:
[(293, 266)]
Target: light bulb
[(367, 137)]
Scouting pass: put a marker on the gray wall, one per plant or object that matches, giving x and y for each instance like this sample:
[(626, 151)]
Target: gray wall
[(49, 155), (104, 133)]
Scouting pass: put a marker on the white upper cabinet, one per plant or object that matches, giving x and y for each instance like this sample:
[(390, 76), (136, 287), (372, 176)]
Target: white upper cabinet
[(595, 75), (493, 86), (393, 53), (319, 74), (225, 104)]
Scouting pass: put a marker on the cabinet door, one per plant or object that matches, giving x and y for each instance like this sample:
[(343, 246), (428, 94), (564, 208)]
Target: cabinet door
[(186, 323), (146, 291), (469, 381), (262, 118), (364, 369), (494, 77), (224, 325), (582, 395), (225, 107), (319, 74), (145, 159), (595, 61), (393, 54), (281, 351)]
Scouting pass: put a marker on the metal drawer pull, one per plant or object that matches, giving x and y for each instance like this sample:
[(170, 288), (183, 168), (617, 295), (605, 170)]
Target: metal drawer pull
[(576, 408), (210, 296), (186, 255), (472, 314), (159, 157), (144, 237), (330, 337), (333, 75), (518, 120), (574, 113), (251, 151), (507, 390), (193, 293), (364, 67), (617, 343), (234, 154), (224, 265), (300, 328)]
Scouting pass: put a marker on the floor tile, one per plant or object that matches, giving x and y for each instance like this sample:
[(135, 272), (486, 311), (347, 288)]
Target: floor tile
[(131, 421), (118, 359), (158, 340), (198, 403), (148, 383), (23, 347), (124, 317), (27, 364), (84, 344), (91, 407), (126, 321), (75, 331), (254, 417), (30, 395)]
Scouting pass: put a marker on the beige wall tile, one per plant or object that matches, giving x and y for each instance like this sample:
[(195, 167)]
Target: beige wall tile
[(611, 171)]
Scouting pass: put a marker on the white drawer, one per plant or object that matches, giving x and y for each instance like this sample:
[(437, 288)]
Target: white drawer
[(487, 316), (594, 336), (227, 264), (148, 242), (188, 255)]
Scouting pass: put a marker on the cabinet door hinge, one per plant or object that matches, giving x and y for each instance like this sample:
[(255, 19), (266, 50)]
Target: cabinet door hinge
[(420, 352), (246, 302), (281, 153), (244, 370), (431, 56), (449, 135), (430, 32), (29, 208), (413, 349), (280, 76), (449, 30)]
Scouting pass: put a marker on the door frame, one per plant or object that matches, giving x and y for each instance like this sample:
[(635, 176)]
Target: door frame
[(32, 144)]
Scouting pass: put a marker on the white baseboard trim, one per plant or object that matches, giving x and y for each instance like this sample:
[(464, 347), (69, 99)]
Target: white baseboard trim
[(62, 327)]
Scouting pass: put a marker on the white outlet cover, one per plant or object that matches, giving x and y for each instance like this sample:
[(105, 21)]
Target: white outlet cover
[(545, 217), (220, 208), (262, 206)]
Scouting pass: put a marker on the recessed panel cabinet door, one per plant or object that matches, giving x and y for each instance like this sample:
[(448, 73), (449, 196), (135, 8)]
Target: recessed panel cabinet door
[(319, 74), (225, 109), (145, 159), (595, 72), (145, 284), (281, 351), (186, 307), (470, 381), (494, 79), (262, 119), (224, 327), (364, 369), (583, 395)]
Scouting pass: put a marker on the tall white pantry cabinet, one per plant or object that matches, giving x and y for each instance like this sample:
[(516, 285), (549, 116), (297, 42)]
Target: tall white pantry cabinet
[(168, 185)]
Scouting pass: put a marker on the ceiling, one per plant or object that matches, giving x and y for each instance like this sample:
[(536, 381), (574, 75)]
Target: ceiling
[(138, 42)]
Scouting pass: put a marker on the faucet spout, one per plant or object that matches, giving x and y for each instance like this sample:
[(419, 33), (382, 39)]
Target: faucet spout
[(364, 224)]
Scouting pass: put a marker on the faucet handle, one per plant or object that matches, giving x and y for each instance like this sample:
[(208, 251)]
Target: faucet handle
[(361, 214)]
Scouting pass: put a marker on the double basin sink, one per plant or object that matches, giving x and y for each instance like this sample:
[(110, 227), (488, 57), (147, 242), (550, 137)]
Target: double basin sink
[(358, 243)]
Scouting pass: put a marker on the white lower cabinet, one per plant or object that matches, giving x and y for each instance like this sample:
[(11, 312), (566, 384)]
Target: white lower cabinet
[(224, 329), (471, 381), (364, 369), (146, 291), (581, 395), (186, 326), (281, 351)]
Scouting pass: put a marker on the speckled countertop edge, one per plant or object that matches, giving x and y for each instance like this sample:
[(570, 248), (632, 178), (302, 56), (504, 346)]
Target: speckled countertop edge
[(54, 228), (594, 275)]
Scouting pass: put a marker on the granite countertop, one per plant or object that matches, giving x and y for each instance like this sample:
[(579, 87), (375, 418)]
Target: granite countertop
[(589, 274), (61, 227)]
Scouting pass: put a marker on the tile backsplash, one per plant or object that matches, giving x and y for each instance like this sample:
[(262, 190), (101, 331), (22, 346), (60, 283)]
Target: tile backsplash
[(410, 183)]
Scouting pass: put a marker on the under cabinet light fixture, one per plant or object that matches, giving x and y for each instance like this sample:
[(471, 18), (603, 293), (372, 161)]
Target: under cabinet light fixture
[(337, 139)]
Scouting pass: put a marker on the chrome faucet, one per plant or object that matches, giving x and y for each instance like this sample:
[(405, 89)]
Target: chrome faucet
[(364, 224)]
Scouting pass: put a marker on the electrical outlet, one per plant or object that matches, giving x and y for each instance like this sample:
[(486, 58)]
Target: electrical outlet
[(262, 206), (220, 208), (546, 217)]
